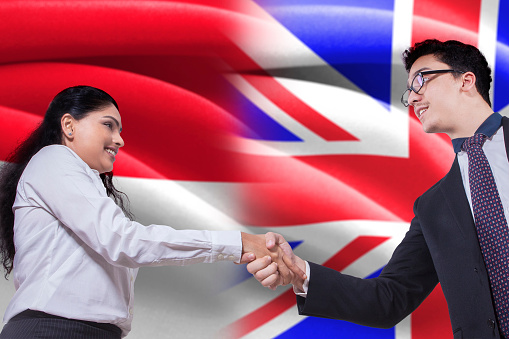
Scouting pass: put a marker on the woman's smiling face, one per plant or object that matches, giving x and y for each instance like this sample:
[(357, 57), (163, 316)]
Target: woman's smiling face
[(95, 138)]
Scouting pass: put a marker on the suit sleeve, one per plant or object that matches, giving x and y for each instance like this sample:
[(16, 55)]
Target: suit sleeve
[(404, 283)]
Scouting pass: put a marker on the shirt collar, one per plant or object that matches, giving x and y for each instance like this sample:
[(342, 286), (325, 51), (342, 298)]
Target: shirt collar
[(488, 128)]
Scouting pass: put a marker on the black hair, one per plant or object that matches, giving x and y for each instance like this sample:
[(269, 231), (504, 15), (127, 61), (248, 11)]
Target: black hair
[(78, 101), (459, 56)]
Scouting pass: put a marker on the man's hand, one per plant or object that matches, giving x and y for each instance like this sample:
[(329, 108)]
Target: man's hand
[(256, 244), (268, 273)]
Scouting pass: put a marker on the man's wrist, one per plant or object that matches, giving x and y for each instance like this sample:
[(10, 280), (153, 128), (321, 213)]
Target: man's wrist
[(301, 289)]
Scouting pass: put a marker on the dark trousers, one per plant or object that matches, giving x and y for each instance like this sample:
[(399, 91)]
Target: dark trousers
[(38, 325)]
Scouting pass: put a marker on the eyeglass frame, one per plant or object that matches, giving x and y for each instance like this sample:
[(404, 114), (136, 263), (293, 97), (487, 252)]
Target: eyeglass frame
[(411, 88)]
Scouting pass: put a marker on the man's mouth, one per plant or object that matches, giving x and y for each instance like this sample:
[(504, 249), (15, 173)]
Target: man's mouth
[(420, 111)]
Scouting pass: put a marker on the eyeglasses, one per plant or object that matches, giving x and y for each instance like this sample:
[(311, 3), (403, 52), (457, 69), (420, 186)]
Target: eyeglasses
[(419, 81)]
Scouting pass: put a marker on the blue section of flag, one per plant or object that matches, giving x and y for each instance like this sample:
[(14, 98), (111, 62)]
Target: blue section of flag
[(501, 72), (354, 37), (352, 3), (261, 125), (329, 328), (312, 327)]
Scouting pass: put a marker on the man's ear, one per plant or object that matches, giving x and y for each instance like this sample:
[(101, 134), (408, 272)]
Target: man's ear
[(468, 81), (67, 123)]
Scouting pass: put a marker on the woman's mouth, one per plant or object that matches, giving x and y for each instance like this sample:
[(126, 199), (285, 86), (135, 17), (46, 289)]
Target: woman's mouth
[(112, 152)]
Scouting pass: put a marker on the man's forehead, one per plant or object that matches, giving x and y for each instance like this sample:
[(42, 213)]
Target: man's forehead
[(425, 63)]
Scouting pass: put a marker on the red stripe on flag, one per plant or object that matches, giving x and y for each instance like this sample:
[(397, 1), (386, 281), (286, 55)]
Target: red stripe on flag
[(444, 20), (297, 109), (353, 251), (187, 131), (346, 256), (431, 319), (342, 187), (15, 126), (64, 29), (284, 99)]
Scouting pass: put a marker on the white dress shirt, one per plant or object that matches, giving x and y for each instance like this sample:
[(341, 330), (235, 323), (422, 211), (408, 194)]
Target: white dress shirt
[(494, 148), (77, 255)]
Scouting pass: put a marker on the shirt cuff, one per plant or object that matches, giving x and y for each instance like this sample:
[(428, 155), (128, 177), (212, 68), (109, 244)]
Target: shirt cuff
[(304, 292), (226, 246)]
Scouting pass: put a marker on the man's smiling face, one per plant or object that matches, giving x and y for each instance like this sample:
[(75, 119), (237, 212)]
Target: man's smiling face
[(434, 105)]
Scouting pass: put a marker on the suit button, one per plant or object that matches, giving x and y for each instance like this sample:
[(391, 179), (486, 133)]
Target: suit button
[(491, 323)]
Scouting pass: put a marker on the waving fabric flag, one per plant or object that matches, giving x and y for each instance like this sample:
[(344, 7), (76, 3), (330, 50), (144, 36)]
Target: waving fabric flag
[(255, 115)]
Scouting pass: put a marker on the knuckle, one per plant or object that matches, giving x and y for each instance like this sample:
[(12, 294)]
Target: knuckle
[(259, 276)]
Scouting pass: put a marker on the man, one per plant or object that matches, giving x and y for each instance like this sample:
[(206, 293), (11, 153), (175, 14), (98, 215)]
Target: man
[(451, 239)]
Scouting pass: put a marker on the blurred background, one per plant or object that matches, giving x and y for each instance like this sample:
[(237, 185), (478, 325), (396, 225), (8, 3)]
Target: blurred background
[(263, 115)]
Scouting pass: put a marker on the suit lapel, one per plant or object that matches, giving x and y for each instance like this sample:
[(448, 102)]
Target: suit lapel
[(454, 192), (457, 202), (505, 125)]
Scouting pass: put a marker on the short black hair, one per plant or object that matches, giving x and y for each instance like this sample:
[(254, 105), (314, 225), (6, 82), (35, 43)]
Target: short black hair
[(459, 56)]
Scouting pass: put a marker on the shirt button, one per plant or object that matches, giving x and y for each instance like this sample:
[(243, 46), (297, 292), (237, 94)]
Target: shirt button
[(130, 310), (220, 257), (231, 258)]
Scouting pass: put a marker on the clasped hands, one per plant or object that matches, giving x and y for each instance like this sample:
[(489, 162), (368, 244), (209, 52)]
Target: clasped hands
[(271, 261)]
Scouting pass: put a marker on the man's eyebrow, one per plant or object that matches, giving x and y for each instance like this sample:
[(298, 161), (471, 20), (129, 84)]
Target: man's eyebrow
[(116, 121), (420, 70)]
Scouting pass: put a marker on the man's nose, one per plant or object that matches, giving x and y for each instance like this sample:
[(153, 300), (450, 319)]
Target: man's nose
[(413, 97)]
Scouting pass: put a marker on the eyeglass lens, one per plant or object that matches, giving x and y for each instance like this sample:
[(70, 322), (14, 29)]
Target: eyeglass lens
[(416, 86), (417, 82)]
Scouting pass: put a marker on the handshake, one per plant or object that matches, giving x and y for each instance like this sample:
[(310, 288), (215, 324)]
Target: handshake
[(271, 261)]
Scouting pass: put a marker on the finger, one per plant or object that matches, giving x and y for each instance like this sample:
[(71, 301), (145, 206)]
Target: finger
[(292, 266), (284, 271), (276, 284), (268, 275), (272, 281), (247, 258), (258, 264), (270, 240)]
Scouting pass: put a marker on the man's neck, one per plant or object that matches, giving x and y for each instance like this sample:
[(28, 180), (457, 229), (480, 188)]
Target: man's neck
[(471, 118)]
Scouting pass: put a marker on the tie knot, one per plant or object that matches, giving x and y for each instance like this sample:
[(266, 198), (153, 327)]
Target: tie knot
[(476, 139)]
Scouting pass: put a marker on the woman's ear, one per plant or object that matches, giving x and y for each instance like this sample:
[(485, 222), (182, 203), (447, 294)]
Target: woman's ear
[(67, 123)]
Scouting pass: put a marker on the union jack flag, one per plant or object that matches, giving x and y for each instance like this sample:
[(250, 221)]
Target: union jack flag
[(254, 115)]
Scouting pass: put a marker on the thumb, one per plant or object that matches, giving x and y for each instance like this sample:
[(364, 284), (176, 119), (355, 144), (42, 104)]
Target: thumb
[(272, 239), (247, 258), (292, 265)]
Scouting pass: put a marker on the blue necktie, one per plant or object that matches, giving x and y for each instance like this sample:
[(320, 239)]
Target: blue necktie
[(491, 225)]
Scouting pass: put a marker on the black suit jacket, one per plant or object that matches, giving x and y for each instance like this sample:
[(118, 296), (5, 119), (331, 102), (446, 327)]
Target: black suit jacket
[(440, 246)]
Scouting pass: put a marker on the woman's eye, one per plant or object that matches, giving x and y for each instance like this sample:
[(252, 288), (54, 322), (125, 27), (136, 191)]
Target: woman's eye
[(110, 125)]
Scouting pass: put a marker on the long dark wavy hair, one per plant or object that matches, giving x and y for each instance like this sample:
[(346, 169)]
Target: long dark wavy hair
[(78, 101)]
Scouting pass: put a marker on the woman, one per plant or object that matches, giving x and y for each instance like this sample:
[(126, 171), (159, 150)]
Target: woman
[(66, 233)]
